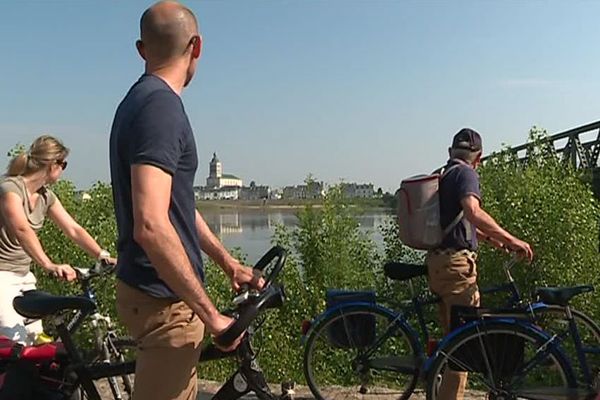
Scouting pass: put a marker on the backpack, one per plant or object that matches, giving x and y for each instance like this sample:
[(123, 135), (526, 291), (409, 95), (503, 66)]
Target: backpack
[(419, 211)]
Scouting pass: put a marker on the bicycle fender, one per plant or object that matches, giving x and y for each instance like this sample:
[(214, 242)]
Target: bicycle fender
[(508, 321), (361, 304)]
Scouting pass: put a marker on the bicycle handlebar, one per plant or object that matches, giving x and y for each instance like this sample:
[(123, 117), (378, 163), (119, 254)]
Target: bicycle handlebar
[(100, 268), (272, 295)]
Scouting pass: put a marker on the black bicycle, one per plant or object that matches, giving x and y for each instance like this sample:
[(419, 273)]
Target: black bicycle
[(61, 371)]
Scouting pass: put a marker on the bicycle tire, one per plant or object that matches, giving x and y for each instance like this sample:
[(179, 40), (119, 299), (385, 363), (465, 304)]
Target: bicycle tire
[(589, 333), (113, 351), (349, 370), (117, 348), (497, 370)]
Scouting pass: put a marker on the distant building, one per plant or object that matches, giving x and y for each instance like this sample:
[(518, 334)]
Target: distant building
[(217, 179), (312, 190), (222, 193), (254, 192), (220, 186), (358, 190)]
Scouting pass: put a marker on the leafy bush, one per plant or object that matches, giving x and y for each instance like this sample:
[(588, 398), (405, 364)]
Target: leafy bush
[(549, 205)]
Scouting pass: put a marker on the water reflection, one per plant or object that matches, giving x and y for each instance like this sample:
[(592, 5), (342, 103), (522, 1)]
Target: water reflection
[(252, 230)]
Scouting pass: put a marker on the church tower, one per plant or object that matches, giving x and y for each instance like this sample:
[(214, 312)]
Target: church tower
[(215, 172), (216, 169)]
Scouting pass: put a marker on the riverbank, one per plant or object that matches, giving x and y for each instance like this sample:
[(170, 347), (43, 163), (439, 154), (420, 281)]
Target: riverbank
[(291, 204)]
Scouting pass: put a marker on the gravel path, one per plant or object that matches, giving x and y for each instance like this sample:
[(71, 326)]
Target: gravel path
[(208, 388)]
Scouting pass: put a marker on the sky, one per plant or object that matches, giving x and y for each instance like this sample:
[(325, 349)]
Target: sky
[(360, 91)]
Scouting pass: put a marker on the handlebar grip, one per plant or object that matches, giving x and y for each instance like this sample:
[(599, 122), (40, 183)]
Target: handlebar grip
[(244, 287), (242, 322)]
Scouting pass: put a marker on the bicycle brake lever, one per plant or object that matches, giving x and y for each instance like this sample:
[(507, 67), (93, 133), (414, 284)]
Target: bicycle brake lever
[(82, 273), (240, 298)]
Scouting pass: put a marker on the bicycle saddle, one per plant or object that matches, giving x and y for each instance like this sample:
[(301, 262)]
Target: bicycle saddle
[(561, 296), (402, 272), (37, 304)]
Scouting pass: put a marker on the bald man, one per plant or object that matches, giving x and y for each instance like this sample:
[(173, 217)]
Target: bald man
[(160, 294)]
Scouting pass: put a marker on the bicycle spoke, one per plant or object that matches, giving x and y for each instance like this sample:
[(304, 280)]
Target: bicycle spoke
[(360, 355)]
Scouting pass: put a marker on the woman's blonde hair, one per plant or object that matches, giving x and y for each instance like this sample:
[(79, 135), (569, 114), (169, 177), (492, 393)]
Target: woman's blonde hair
[(43, 151)]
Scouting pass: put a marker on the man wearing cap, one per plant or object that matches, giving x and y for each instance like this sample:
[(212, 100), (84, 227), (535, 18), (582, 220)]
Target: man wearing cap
[(452, 267)]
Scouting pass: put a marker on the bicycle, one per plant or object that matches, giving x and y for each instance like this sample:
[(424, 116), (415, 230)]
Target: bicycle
[(58, 370), (508, 357), (363, 347), (108, 345)]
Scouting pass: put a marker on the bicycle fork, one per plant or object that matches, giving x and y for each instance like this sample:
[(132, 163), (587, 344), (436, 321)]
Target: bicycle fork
[(112, 380)]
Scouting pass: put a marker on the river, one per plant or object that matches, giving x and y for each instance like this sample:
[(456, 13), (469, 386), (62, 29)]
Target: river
[(251, 230)]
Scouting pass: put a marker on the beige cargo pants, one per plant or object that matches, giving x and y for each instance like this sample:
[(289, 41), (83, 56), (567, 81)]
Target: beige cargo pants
[(169, 335), (452, 276)]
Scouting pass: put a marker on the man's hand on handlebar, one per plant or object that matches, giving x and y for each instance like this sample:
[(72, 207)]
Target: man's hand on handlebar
[(220, 325), (522, 248), (243, 276)]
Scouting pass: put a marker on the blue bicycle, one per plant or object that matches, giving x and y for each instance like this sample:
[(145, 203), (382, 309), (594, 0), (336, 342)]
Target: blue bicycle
[(509, 357), (361, 349)]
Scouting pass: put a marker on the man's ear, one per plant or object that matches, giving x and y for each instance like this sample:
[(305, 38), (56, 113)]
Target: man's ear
[(139, 45), (196, 46), (478, 159)]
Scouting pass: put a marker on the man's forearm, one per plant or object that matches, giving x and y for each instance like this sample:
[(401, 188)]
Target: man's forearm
[(211, 245), (488, 226), (167, 254)]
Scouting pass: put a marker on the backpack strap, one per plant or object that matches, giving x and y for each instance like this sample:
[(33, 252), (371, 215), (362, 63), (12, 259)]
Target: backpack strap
[(444, 171), (453, 224), (468, 231)]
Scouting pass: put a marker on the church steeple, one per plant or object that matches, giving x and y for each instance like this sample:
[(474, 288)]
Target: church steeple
[(215, 167)]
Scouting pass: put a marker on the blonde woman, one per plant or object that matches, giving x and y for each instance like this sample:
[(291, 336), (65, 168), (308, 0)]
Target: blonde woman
[(25, 201)]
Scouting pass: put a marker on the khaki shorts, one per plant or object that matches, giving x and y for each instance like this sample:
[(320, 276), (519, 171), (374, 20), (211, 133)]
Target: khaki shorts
[(453, 276), (169, 336)]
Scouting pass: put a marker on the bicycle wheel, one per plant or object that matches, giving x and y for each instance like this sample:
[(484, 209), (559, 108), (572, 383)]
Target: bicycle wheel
[(361, 352), (114, 350), (118, 349), (553, 319), (504, 360)]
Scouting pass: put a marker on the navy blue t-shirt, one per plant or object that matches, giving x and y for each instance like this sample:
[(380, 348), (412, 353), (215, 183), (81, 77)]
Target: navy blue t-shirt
[(457, 184), (151, 127)]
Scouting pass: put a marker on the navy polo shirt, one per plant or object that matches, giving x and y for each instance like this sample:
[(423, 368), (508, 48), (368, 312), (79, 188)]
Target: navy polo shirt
[(457, 184), (151, 127)]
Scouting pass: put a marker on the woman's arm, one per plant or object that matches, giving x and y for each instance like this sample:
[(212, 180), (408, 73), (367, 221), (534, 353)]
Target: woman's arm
[(73, 230), (11, 206), (17, 225)]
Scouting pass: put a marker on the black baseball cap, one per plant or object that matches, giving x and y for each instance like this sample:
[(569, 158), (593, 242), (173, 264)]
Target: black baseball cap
[(467, 139)]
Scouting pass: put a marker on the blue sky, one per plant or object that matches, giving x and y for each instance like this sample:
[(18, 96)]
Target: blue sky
[(367, 91)]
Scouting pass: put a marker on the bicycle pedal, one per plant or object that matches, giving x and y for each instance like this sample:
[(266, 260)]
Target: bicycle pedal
[(287, 390)]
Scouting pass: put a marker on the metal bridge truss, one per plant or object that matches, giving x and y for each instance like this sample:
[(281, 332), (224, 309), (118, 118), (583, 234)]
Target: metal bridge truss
[(578, 146)]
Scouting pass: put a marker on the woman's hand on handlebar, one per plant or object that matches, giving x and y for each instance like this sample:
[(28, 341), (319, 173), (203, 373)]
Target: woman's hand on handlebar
[(62, 271), (109, 260), (242, 275), (219, 325)]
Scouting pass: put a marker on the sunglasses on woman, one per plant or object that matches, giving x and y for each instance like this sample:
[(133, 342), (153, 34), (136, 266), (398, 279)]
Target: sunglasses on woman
[(63, 164)]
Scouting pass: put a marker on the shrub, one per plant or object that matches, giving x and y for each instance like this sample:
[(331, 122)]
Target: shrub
[(549, 205)]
